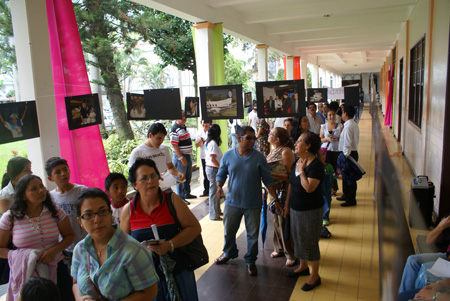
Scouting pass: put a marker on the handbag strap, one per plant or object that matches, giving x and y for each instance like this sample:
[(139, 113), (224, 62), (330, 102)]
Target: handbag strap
[(173, 212), (98, 294)]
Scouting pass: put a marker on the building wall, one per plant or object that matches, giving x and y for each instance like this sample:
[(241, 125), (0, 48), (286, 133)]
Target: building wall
[(423, 147), (438, 82)]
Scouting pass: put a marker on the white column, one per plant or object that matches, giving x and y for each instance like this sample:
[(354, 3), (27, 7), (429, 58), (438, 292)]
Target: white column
[(289, 68), (314, 75), (327, 78), (204, 53), (262, 62), (36, 78), (304, 72)]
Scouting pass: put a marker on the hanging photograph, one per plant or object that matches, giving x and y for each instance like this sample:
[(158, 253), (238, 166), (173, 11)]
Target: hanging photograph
[(248, 99), (136, 107), (83, 111), (280, 98), (318, 95), (163, 104), (192, 107), (19, 121), (351, 96), (222, 102)]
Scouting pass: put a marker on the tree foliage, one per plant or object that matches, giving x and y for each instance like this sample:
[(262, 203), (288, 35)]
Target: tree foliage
[(7, 51), (234, 72)]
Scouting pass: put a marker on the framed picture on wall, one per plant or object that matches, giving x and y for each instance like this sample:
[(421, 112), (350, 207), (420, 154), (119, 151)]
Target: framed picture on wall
[(318, 95), (136, 109), (83, 111), (248, 99), (163, 103), (222, 102), (351, 96), (19, 121), (192, 107), (280, 98)]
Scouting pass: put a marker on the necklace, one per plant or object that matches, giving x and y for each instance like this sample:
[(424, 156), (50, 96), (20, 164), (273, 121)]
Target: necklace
[(99, 253)]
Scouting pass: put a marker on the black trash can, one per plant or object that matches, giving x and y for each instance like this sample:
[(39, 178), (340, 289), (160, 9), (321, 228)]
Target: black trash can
[(421, 203)]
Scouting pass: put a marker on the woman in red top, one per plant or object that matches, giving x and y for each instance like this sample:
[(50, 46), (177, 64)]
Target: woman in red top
[(150, 207)]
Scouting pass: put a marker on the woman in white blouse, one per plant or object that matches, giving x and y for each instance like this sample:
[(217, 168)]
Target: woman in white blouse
[(213, 157)]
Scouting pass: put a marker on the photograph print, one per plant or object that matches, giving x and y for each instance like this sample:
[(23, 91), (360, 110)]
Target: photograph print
[(163, 103), (191, 107), (83, 111), (222, 102), (280, 98), (18, 121), (318, 95), (136, 107), (248, 99), (351, 96)]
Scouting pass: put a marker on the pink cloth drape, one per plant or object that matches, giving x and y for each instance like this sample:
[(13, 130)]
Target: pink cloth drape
[(388, 116), (82, 148)]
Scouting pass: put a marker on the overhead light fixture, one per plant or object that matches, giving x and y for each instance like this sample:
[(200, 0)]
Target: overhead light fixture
[(326, 15), (355, 65)]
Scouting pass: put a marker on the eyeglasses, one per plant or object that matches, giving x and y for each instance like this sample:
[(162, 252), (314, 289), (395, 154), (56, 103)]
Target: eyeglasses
[(153, 176), (91, 215), (249, 137)]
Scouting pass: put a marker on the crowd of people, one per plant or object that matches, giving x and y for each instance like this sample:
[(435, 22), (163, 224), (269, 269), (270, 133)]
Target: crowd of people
[(97, 244)]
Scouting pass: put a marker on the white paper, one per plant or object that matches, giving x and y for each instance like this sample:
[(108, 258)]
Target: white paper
[(155, 231), (167, 181), (441, 268)]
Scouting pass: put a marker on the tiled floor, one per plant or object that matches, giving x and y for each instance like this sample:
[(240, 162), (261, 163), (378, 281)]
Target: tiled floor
[(349, 265)]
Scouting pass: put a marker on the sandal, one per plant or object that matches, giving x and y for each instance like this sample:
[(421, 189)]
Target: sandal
[(276, 254), (290, 262)]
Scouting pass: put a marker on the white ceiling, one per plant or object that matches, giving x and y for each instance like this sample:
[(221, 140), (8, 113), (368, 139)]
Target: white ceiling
[(355, 37)]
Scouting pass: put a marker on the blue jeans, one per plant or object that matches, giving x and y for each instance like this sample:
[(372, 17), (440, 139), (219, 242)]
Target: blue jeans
[(232, 217), (327, 183), (234, 141), (214, 202), (183, 189), (412, 267)]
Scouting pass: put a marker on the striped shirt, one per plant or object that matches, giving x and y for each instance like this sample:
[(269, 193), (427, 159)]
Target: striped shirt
[(34, 233), (128, 267), (181, 137)]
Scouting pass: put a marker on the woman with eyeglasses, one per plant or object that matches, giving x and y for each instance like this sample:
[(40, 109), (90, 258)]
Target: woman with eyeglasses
[(149, 207), (109, 264), (35, 225), (305, 206)]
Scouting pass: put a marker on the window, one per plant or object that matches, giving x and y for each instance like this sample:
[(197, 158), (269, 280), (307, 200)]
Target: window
[(416, 83), (320, 82)]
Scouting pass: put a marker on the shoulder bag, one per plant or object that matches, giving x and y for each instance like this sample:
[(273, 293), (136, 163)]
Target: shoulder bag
[(195, 252)]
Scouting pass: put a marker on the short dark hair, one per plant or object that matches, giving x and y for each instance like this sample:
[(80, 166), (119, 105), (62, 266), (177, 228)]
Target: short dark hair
[(40, 289), (15, 166), (90, 193), (334, 106), (52, 163), (20, 206), (244, 129), (350, 111), (156, 128), (313, 140), (138, 163), (312, 104), (112, 177), (289, 120)]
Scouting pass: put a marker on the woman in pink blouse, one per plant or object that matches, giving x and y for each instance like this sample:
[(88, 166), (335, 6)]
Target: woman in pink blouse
[(34, 222)]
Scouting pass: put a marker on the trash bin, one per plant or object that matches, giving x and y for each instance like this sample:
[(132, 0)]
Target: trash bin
[(421, 202)]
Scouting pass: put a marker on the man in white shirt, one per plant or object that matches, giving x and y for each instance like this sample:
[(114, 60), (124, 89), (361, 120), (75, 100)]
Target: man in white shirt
[(348, 144), (253, 117), (153, 148), (200, 142), (314, 120)]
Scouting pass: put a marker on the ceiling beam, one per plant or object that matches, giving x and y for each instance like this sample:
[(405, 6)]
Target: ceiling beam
[(364, 56), (339, 57), (347, 41)]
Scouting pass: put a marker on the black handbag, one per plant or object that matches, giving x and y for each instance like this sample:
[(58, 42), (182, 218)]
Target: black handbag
[(195, 252)]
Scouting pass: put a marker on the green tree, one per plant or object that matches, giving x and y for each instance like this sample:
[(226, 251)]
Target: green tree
[(129, 66), (234, 73), (153, 76), (8, 64), (280, 74), (309, 77)]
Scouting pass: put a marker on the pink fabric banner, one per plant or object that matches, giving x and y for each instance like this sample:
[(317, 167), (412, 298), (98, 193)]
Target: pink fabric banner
[(82, 148), (388, 116)]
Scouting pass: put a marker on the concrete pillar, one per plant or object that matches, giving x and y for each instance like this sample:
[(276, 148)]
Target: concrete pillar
[(36, 78), (262, 62), (289, 68), (304, 72), (327, 78), (314, 76), (204, 53)]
